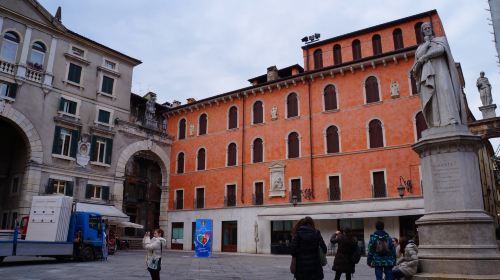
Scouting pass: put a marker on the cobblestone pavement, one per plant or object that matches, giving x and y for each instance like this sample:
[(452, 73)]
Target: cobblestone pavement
[(175, 266)]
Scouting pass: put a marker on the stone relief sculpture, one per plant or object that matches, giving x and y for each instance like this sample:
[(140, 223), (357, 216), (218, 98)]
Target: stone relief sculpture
[(278, 184), (394, 89), (484, 87), (277, 173), (191, 129), (274, 113), (83, 151), (437, 81)]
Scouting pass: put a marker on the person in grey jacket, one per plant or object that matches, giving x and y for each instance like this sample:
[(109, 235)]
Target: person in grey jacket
[(154, 251), (407, 262)]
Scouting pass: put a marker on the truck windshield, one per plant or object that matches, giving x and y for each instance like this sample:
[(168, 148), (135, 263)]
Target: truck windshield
[(95, 223)]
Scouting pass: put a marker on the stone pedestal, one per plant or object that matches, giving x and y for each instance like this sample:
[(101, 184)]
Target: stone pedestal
[(456, 234), (488, 111)]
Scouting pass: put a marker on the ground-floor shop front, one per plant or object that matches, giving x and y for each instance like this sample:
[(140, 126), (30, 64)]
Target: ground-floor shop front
[(268, 229)]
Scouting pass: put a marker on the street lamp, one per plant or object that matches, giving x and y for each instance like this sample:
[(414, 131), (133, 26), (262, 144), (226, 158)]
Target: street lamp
[(404, 185), (294, 200)]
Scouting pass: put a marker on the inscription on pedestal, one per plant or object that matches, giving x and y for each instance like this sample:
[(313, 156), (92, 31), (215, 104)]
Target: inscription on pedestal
[(446, 176)]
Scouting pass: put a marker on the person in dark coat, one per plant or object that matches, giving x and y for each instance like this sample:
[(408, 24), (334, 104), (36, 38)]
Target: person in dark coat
[(306, 244), (343, 262)]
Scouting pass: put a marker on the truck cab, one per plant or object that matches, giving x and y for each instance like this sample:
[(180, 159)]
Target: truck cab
[(86, 230)]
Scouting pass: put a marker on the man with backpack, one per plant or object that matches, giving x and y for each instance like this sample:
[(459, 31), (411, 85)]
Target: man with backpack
[(381, 252)]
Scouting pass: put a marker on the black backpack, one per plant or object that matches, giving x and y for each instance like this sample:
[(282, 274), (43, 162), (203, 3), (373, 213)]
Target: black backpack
[(356, 254), (382, 247)]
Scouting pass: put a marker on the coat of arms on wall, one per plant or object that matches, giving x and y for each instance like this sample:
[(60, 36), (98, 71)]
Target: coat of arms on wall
[(83, 152)]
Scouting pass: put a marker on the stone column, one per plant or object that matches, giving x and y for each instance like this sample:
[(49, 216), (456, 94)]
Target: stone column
[(21, 68), (456, 234), (164, 210), (30, 187), (118, 194)]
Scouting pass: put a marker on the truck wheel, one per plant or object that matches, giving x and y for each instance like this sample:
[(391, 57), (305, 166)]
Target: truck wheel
[(87, 254)]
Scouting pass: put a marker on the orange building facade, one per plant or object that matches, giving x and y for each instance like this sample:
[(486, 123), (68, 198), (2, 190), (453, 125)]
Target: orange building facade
[(332, 141)]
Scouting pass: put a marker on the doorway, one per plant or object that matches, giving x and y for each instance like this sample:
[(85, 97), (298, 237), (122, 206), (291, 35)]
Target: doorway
[(229, 236)]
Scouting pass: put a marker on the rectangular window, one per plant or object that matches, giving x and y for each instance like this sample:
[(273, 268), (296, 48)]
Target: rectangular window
[(334, 188), (200, 198), (101, 149), (379, 184), (56, 186), (231, 195), (107, 85), (259, 193), (8, 89), (74, 73), (177, 232), (77, 51), (296, 191), (110, 65), (179, 199), (65, 141), (103, 116), (67, 106), (97, 192), (59, 186)]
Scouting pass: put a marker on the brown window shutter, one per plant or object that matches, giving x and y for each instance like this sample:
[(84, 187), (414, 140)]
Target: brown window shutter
[(356, 49), (318, 59), (200, 198), (296, 191), (418, 33), (292, 105), (379, 184), (257, 150), (179, 202), (420, 124), (332, 139), (330, 97), (231, 154), (182, 129), (371, 89), (293, 145), (180, 163), (376, 134), (203, 124), (231, 195), (233, 117), (201, 159), (397, 36), (258, 112), (259, 193), (337, 54), (377, 44), (334, 187)]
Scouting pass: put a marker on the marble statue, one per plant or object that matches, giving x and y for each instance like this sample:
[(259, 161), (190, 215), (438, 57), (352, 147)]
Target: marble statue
[(394, 89), (151, 108), (274, 113), (484, 87), (438, 81)]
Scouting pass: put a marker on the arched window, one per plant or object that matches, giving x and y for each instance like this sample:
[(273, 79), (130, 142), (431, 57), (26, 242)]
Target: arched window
[(202, 124), (418, 33), (200, 159), (38, 54), (258, 112), (258, 151), (332, 140), (9, 46), (231, 154), (420, 124), (180, 163), (182, 129), (397, 37), (330, 97), (318, 59), (371, 90), (293, 145), (356, 49), (232, 118), (292, 105), (376, 134), (337, 54), (376, 44)]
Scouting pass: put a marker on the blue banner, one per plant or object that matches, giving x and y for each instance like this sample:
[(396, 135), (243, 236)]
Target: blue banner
[(203, 238)]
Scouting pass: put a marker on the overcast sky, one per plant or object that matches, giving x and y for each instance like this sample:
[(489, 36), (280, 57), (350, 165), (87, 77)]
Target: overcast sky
[(206, 47)]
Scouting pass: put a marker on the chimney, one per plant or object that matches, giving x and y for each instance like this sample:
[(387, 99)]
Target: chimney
[(176, 103), (272, 73), (190, 100), (58, 14)]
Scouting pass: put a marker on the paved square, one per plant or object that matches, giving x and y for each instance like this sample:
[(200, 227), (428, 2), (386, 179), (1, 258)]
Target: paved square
[(176, 266)]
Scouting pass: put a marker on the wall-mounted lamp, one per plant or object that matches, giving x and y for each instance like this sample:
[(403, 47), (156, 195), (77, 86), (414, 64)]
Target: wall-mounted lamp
[(404, 185), (294, 200)]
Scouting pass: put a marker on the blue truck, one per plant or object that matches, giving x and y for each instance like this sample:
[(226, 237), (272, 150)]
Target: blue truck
[(84, 242)]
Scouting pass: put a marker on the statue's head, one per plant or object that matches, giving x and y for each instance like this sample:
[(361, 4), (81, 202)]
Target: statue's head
[(426, 28), (481, 74)]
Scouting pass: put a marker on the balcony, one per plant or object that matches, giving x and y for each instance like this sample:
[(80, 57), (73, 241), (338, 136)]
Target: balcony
[(34, 75), (7, 67)]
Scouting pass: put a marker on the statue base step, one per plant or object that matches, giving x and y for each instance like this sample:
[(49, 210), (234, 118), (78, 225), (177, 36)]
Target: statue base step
[(441, 276), (488, 111)]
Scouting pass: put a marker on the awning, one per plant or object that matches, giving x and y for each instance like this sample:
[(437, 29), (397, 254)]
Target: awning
[(130, 225), (108, 212)]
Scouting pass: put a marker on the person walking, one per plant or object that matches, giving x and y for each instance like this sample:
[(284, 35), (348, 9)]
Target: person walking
[(344, 258), (381, 253), (407, 263), (154, 247), (306, 243)]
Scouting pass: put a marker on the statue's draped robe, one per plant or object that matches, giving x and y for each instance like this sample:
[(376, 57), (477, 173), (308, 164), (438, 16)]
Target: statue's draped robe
[(439, 85)]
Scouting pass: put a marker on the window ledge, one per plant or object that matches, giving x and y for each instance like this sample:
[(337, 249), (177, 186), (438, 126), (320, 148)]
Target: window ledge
[(103, 125), (100, 164), (258, 124), (8, 99), (63, 157), (373, 103), (77, 58), (293, 118), (72, 116), (107, 70), (232, 129), (100, 93), (331, 111), (68, 82)]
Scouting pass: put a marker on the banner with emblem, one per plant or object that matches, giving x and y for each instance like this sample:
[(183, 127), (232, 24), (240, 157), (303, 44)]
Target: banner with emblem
[(203, 238)]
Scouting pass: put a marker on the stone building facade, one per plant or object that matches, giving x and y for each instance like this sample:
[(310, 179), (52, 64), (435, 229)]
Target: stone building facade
[(68, 120)]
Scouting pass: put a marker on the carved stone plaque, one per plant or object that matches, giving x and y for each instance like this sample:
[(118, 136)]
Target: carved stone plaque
[(277, 179), (83, 151), (446, 176)]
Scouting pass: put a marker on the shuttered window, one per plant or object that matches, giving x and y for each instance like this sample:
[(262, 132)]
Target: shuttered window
[(293, 145), (330, 97), (376, 44), (182, 129), (74, 73), (67, 106), (376, 134), (259, 193), (233, 118), (231, 196), (8, 89), (296, 191), (107, 85), (334, 188), (337, 54), (231, 154), (371, 90), (318, 59), (397, 37), (420, 124), (101, 149), (332, 139), (379, 184), (200, 198), (179, 199), (258, 150), (202, 124), (356, 49), (258, 112), (418, 33), (180, 163), (201, 159), (65, 141), (292, 105)]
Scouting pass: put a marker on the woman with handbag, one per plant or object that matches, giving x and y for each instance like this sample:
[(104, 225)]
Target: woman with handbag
[(154, 247), (344, 261)]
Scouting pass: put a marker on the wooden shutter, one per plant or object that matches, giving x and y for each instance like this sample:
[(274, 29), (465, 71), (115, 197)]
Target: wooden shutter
[(200, 198), (292, 105), (337, 55), (334, 187), (105, 193), (107, 85), (75, 134), (418, 33), (376, 44), (330, 97), (257, 150), (397, 37), (231, 154), (356, 49), (371, 89), (68, 190), (332, 139), (203, 124), (61, 104), (93, 149), (201, 159), (182, 129), (180, 163), (74, 73), (420, 124), (376, 134), (233, 117), (293, 145), (109, 150), (56, 145), (296, 191), (379, 184), (50, 187), (258, 112), (318, 59), (179, 203), (259, 193), (231, 195), (88, 191)]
